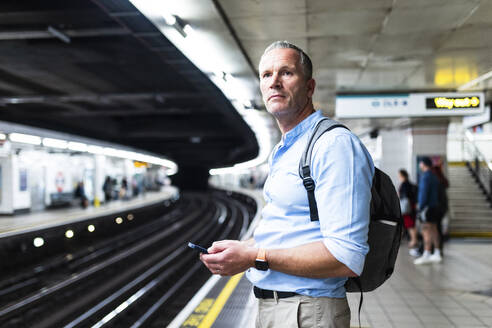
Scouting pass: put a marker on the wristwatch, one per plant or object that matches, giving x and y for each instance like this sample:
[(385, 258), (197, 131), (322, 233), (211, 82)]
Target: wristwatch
[(261, 261)]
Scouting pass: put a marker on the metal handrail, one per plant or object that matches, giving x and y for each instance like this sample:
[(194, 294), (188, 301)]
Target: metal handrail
[(480, 165)]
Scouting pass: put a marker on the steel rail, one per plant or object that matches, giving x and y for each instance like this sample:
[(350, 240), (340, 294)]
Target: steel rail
[(128, 287), (146, 317), (44, 293)]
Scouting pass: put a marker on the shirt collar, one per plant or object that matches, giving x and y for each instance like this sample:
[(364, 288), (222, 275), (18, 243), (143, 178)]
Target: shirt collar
[(300, 128)]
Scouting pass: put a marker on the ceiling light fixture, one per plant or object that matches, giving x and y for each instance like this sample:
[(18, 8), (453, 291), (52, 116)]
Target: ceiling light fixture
[(175, 21), (55, 143), (95, 150), (77, 146), (170, 19), (182, 28), (188, 29), (172, 168), (25, 138)]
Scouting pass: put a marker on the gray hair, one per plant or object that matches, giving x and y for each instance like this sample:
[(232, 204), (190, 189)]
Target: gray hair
[(305, 61)]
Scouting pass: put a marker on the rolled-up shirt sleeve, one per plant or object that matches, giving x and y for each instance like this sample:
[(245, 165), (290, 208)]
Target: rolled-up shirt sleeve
[(343, 170)]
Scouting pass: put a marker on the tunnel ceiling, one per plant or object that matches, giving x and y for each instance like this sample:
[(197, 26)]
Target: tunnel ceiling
[(116, 78)]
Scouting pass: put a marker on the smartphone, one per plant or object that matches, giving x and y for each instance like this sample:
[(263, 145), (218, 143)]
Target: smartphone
[(198, 248)]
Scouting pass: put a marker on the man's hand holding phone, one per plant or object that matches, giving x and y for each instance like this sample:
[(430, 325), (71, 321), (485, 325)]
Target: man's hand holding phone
[(229, 257)]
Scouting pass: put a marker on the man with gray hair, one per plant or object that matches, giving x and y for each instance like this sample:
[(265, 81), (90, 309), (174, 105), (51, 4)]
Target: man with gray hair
[(298, 266)]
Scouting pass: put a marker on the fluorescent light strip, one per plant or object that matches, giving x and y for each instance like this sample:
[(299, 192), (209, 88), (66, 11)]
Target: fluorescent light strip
[(25, 138), (173, 168), (95, 150), (77, 146), (55, 143), (82, 147), (476, 81)]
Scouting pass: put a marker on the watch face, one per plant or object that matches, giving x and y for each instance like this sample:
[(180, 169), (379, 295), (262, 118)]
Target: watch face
[(261, 265)]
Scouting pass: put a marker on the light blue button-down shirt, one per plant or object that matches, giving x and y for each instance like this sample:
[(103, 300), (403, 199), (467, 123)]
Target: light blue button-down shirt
[(342, 170)]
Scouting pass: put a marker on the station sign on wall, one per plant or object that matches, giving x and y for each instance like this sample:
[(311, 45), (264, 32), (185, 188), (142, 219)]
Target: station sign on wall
[(409, 105)]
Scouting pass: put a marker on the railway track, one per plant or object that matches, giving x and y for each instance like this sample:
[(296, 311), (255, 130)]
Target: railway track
[(141, 278)]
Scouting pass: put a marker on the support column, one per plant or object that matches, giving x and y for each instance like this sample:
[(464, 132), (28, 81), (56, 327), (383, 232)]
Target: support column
[(99, 176), (430, 140), (6, 185), (396, 153), (15, 194)]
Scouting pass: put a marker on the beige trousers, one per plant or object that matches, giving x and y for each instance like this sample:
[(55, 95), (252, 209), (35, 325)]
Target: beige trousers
[(303, 312)]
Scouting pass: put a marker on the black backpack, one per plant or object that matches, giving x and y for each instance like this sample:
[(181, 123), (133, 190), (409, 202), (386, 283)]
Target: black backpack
[(386, 222)]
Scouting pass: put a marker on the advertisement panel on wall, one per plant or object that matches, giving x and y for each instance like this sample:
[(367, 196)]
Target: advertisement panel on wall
[(409, 105), (22, 179)]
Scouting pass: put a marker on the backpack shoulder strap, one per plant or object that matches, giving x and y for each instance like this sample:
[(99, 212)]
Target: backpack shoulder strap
[(324, 125)]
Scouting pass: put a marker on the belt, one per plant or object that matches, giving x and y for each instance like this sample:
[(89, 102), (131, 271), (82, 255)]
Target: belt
[(264, 293)]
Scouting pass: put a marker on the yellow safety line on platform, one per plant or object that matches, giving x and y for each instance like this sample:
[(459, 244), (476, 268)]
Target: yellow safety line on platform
[(456, 163), (221, 301), (471, 234)]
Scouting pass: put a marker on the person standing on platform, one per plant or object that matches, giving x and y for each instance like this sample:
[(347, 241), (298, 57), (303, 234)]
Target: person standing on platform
[(408, 202), (108, 189), (299, 267), (80, 193), (123, 194), (428, 202), (442, 200)]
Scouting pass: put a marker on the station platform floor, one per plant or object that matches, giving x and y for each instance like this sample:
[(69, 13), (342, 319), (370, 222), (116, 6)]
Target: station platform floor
[(454, 293), (15, 224)]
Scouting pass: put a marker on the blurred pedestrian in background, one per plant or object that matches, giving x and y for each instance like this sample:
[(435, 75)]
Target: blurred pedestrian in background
[(408, 202), (123, 189), (427, 207), (108, 189), (80, 193), (442, 200)]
